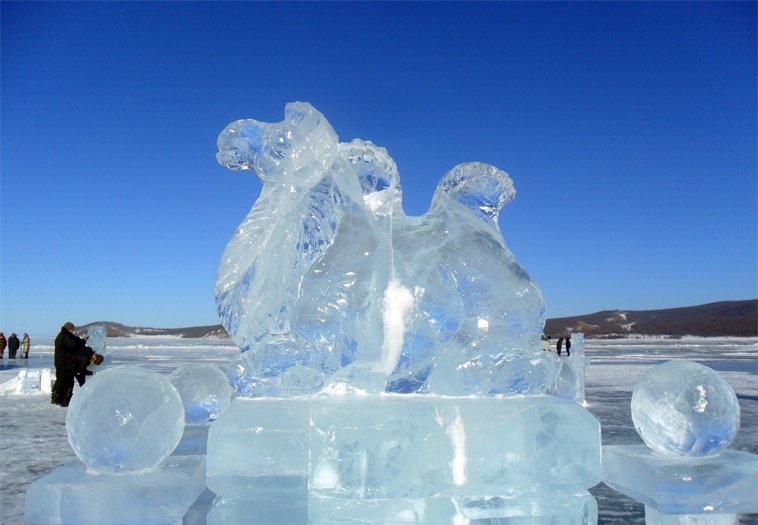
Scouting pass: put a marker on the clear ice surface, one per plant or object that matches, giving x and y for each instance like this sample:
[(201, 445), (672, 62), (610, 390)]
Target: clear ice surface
[(204, 391), (721, 484), (125, 419), (684, 408), (327, 281), (96, 339), (96, 336), (72, 495)]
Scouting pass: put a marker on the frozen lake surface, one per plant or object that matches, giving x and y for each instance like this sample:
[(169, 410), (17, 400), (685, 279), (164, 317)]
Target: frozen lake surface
[(33, 437)]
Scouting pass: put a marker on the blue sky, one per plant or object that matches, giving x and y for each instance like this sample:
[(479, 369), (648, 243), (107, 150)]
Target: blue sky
[(629, 130)]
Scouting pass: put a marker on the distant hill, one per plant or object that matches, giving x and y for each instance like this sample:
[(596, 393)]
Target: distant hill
[(727, 318), (193, 332)]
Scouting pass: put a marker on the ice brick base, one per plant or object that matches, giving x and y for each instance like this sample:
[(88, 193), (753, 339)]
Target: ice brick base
[(381, 459), (721, 484), (70, 495)]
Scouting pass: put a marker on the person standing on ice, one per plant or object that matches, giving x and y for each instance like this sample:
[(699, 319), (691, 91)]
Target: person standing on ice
[(559, 345), (13, 344), (568, 345), (25, 344), (72, 356), (3, 344)]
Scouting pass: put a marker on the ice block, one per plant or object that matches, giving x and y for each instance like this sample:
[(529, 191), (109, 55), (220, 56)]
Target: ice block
[(71, 495), (721, 484)]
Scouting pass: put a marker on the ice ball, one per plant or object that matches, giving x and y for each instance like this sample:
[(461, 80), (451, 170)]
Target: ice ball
[(686, 409), (204, 390), (125, 419)]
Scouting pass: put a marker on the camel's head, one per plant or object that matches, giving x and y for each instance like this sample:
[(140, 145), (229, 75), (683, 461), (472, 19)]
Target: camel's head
[(281, 149)]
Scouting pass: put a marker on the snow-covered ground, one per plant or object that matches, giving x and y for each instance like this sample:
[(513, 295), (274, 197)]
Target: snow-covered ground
[(33, 437)]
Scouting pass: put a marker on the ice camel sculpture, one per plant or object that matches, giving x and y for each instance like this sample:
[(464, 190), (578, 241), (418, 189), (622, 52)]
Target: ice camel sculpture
[(391, 367), (328, 281)]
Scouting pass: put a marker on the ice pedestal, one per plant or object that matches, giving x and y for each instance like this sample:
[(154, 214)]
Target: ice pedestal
[(721, 484), (71, 495), (394, 458)]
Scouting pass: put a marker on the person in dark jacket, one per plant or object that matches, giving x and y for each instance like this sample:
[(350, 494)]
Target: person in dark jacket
[(13, 345), (72, 356), (568, 345), (3, 344)]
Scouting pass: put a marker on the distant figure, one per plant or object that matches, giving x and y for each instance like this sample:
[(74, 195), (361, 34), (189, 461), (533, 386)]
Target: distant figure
[(72, 356), (3, 344), (568, 345), (25, 344), (13, 344), (545, 343), (559, 345)]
